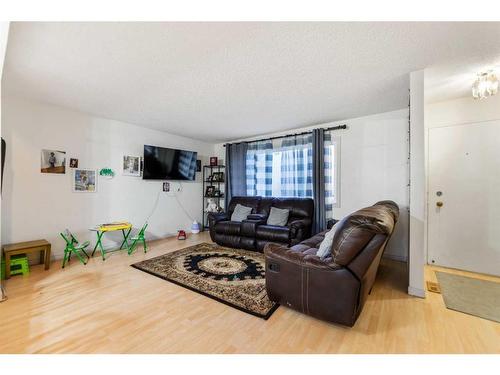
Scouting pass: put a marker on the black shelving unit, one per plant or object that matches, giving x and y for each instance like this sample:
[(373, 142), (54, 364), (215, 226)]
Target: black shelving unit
[(208, 170)]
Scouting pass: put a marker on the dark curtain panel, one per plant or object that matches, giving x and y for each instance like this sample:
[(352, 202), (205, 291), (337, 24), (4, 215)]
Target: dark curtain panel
[(236, 177), (318, 148)]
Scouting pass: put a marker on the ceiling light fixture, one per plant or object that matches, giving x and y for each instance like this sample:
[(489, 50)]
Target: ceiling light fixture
[(486, 85)]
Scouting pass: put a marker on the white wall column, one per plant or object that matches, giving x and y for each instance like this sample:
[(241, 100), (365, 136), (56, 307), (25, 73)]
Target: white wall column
[(417, 246)]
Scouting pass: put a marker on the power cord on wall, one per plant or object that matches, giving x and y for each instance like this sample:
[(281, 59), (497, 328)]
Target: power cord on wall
[(169, 194)]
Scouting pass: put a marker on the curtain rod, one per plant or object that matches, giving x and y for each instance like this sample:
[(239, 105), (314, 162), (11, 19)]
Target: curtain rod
[(339, 127)]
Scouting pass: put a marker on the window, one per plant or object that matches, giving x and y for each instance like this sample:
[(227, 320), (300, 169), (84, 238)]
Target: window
[(283, 168), (280, 169)]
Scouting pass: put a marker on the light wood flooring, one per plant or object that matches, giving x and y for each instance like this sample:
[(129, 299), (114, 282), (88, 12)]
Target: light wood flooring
[(110, 307)]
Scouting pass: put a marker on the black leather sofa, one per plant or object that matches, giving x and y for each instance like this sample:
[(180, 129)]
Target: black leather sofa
[(254, 233)]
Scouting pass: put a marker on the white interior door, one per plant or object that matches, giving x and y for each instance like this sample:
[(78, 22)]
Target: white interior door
[(464, 179)]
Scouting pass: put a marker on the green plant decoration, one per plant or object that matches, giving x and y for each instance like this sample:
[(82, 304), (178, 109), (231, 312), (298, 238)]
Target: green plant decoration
[(107, 172)]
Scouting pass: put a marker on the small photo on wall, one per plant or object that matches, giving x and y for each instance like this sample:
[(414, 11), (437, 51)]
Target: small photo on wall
[(84, 180), (53, 161), (132, 166), (73, 163)]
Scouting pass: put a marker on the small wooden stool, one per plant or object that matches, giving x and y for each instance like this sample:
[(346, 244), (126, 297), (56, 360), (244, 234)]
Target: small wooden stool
[(24, 248)]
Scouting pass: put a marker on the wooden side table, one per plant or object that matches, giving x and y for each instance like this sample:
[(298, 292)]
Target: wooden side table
[(24, 248)]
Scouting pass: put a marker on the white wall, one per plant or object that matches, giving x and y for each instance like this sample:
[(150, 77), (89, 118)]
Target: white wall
[(38, 205), (374, 166), (462, 111)]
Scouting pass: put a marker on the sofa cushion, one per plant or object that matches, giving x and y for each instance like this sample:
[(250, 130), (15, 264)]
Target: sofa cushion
[(240, 213), (314, 241), (244, 201), (357, 229), (300, 208), (325, 247), (278, 216), (273, 233), (228, 227)]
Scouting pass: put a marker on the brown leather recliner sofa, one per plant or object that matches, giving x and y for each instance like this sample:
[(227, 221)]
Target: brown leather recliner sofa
[(254, 233), (334, 288)]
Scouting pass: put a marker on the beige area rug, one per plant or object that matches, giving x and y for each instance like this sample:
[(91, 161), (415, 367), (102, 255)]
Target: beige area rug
[(232, 276), (471, 296)]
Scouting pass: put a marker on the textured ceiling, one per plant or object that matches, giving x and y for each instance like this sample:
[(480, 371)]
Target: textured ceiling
[(222, 81)]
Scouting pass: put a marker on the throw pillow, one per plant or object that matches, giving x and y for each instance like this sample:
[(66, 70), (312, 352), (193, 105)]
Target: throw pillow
[(278, 216), (325, 247), (240, 212)]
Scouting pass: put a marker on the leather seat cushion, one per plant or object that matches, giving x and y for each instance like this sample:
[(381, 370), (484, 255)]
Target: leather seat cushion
[(228, 227), (314, 241), (273, 233)]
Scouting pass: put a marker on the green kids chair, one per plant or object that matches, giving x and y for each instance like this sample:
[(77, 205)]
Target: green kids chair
[(73, 246), (139, 237)]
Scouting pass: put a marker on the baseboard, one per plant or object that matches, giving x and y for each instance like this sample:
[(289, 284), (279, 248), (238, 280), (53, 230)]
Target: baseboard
[(398, 258), (417, 292)]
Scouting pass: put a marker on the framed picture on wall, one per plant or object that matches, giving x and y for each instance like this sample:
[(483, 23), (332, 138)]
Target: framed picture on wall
[(132, 166), (73, 163), (84, 180), (53, 161)]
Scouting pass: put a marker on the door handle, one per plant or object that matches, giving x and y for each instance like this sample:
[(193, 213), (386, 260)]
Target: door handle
[(439, 204)]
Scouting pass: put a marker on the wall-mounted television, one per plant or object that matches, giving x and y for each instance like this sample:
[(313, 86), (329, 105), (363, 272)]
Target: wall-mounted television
[(169, 164)]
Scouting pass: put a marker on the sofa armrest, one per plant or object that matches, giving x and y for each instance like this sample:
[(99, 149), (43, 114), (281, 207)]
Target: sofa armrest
[(299, 230), (214, 217), (248, 227), (305, 259), (258, 217), (300, 280)]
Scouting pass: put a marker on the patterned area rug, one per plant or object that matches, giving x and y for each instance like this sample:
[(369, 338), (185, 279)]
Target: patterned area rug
[(232, 276)]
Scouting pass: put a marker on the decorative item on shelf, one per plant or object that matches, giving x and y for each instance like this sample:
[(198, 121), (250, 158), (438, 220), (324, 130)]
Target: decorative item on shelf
[(166, 187), (212, 206), (217, 193), (486, 85), (73, 163), (210, 190), (107, 172), (198, 165), (195, 227), (181, 234), (132, 165), (218, 177), (210, 178), (213, 161), (53, 161), (84, 180)]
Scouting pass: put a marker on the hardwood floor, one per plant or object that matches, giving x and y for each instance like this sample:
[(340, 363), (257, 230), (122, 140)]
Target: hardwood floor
[(110, 307)]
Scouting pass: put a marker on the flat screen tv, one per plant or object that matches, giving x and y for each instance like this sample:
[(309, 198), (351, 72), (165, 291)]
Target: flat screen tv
[(168, 164)]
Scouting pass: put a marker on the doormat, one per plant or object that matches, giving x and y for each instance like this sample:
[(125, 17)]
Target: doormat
[(471, 296)]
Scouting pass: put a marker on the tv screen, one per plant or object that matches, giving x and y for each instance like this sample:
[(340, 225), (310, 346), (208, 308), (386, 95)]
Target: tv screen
[(168, 164)]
